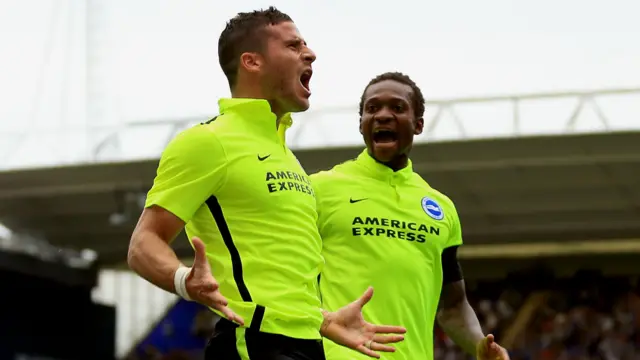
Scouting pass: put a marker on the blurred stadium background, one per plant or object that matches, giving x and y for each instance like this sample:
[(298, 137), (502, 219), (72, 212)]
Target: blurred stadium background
[(547, 185)]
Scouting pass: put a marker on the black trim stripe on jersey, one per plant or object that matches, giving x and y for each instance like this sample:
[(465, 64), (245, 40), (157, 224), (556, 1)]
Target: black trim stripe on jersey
[(236, 263), (210, 121), (256, 320), (319, 291)]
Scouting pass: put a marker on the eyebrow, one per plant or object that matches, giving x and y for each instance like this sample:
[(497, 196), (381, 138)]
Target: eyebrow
[(297, 40), (393, 98)]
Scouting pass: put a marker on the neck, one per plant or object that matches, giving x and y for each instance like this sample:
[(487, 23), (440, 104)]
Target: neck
[(256, 93), (398, 163)]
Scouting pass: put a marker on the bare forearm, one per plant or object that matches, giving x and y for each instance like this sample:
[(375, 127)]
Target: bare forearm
[(461, 324), (153, 259)]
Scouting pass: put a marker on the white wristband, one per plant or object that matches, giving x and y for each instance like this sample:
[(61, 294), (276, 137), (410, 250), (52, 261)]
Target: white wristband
[(180, 282)]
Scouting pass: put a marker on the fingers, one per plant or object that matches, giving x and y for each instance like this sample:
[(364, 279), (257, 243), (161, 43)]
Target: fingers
[(369, 348), (388, 329), (366, 297), (387, 339), (502, 353), (219, 302), (216, 298), (485, 345), (230, 315), (378, 344), (210, 286), (491, 345), (498, 351), (493, 349), (363, 349), (380, 347), (198, 245), (201, 253)]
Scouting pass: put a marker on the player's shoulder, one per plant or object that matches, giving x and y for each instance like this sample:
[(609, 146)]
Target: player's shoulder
[(339, 172), (199, 140), (213, 124), (432, 193)]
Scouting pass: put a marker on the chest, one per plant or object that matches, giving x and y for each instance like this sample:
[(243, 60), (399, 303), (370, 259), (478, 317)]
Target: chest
[(393, 221), (268, 176)]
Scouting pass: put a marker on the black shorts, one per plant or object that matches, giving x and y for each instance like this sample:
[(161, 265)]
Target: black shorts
[(230, 342)]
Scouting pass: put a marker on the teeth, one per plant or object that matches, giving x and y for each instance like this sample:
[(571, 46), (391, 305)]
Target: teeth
[(306, 75)]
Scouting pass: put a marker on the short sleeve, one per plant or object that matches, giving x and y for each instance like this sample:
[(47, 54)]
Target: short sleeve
[(191, 169), (455, 233)]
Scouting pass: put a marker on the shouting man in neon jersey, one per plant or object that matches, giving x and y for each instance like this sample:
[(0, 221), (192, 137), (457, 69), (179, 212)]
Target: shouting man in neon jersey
[(382, 224), (250, 210)]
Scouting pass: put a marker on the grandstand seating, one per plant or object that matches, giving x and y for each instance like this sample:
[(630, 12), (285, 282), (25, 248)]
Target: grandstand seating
[(587, 316), (181, 334)]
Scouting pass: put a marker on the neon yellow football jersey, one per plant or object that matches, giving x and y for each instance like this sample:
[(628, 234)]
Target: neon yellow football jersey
[(385, 229), (243, 192)]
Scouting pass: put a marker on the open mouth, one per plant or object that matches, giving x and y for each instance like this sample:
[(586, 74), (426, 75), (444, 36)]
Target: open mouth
[(384, 136), (305, 79)]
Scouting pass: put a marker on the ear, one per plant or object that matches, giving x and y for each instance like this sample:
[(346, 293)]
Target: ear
[(419, 126), (360, 126), (251, 62)]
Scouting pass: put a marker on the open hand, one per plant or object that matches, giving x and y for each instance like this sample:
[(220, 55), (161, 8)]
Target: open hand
[(348, 327), (488, 349), (203, 287)]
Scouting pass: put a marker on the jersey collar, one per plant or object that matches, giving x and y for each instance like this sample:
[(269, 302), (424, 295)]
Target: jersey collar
[(383, 172), (258, 112)]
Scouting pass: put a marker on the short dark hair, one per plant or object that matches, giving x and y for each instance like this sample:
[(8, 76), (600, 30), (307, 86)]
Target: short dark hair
[(418, 98), (245, 33)]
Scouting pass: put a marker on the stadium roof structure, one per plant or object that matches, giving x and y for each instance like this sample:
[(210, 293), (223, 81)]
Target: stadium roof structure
[(516, 190)]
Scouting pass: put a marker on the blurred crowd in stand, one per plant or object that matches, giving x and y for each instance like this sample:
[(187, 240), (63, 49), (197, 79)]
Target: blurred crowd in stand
[(584, 318)]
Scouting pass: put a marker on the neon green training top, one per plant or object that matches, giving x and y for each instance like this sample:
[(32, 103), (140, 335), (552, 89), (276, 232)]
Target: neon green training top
[(385, 229), (243, 192)]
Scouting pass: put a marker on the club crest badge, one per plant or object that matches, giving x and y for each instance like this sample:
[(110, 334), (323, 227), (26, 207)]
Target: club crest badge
[(432, 208)]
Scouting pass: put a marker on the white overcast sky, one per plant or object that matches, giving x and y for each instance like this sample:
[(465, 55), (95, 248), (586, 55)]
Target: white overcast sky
[(72, 71)]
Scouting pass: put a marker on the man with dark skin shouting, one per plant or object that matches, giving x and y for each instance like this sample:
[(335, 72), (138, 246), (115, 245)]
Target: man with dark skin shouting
[(382, 224)]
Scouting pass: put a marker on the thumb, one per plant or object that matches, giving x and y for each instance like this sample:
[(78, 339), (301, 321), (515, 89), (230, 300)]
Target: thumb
[(365, 298), (200, 259), (489, 339)]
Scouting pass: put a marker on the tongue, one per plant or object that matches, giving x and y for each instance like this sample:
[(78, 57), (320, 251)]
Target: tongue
[(304, 86)]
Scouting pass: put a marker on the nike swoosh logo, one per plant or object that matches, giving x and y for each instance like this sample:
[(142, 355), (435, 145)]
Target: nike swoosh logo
[(263, 158), (357, 200)]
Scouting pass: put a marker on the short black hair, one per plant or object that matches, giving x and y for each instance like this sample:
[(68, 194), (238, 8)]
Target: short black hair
[(418, 98), (245, 33)]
